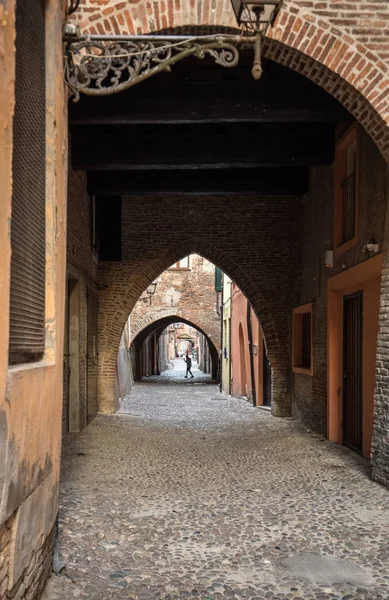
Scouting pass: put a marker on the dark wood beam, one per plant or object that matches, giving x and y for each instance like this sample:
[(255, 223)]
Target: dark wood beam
[(264, 182), (207, 101), (189, 150)]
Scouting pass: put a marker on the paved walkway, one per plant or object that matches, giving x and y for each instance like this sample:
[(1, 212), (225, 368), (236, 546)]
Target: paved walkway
[(177, 374), (189, 494)]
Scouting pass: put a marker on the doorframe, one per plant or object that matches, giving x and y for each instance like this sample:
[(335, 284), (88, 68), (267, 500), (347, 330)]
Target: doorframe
[(266, 375), (345, 283), (74, 353), (347, 298)]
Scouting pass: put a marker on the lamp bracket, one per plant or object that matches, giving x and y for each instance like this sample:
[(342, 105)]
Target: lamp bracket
[(102, 65)]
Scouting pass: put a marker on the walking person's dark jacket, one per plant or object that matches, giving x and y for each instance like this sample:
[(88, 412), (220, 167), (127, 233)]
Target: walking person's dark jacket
[(188, 362)]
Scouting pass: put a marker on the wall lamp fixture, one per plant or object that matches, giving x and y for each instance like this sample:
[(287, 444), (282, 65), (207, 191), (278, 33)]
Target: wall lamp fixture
[(150, 291), (101, 65)]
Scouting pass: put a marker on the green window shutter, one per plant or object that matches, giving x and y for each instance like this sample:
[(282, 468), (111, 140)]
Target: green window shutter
[(218, 279)]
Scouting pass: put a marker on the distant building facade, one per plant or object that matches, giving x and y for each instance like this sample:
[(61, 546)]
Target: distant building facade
[(246, 370), (180, 312)]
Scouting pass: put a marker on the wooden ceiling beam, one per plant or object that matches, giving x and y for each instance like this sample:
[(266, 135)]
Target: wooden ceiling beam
[(264, 182), (172, 152), (204, 102)]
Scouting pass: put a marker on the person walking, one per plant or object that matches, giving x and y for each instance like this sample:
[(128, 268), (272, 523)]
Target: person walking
[(188, 362)]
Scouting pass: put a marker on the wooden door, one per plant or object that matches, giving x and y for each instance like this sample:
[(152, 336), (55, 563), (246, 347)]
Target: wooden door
[(266, 379), (91, 357), (352, 370)]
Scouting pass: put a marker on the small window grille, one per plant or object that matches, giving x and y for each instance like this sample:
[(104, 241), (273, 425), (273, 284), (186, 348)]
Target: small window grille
[(306, 341), (346, 194), (348, 208), (27, 293), (302, 339)]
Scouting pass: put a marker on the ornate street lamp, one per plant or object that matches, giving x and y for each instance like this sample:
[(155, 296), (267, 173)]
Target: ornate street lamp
[(101, 65), (256, 16), (151, 289)]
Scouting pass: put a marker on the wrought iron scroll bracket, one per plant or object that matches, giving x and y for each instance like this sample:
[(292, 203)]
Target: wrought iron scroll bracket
[(105, 65)]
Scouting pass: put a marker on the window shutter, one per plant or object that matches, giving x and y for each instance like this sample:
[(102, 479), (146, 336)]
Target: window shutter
[(27, 303), (218, 279)]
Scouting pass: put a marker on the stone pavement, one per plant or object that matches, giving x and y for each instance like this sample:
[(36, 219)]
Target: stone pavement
[(191, 494), (177, 374)]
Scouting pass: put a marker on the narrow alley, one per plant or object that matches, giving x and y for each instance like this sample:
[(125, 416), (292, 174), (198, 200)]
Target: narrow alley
[(187, 493), (208, 182)]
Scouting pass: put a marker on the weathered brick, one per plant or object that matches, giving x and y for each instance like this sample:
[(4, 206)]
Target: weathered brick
[(296, 40)]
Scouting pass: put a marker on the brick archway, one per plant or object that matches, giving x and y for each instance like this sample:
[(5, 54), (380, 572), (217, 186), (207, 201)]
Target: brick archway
[(126, 281), (332, 52), (147, 327), (177, 315)]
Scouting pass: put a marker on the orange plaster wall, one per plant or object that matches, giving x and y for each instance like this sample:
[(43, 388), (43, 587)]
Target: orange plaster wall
[(239, 317), (258, 358), (239, 311), (366, 277), (31, 394)]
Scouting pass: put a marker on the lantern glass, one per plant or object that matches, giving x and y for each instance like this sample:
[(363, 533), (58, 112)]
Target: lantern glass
[(151, 288), (254, 12)]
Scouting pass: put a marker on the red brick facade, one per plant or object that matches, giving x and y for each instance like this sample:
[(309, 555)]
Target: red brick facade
[(258, 265), (344, 47), (189, 295)]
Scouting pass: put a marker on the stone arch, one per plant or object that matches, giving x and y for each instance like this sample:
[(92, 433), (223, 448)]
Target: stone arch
[(172, 315), (125, 282), (332, 55), (163, 321)]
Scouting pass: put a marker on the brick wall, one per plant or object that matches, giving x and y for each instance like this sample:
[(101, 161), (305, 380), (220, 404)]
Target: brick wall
[(313, 234), (81, 266), (343, 47), (187, 294), (247, 237), (32, 581), (380, 444)]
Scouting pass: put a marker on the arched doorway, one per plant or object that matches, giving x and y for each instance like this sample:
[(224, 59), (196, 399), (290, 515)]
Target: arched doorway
[(157, 327), (242, 363)]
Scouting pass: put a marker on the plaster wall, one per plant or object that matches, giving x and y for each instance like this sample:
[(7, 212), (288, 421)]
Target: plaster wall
[(31, 395), (81, 269), (240, 352), (226, 349)]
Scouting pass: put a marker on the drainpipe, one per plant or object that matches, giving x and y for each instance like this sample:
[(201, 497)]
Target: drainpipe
[(230, 348), (250, 336), (221, 354)]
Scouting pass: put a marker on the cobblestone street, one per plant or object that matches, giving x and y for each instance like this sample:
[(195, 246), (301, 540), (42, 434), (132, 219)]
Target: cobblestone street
[(190, 494)]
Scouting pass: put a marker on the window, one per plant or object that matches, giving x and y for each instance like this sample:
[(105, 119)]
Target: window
[(218, 279), (108, 228), (28, 229), (346, 191), (302, 340), (181, 265)]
